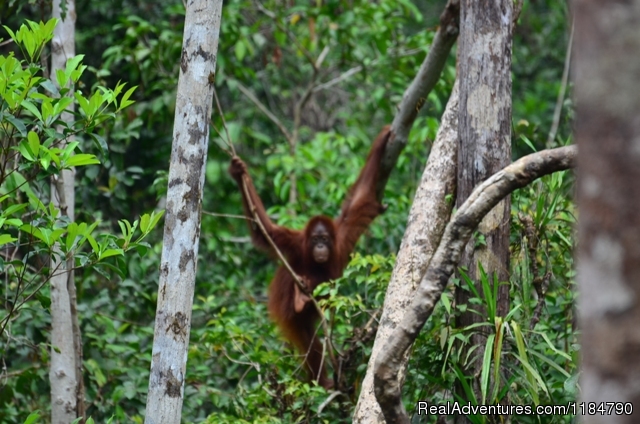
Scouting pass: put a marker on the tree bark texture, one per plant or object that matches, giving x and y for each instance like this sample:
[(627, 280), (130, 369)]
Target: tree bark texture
[(184, 204), (486, 196), (484, 65), (428, 217), (607, 130), (65, 373)]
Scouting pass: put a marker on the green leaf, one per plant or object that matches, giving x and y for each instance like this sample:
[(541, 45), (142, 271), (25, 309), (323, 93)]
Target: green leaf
[(81, 159), (47, 29), (96, 101), (32, 416), (31, 108), (85, 232), (111, 252), (446, 302), (94, 244), (524, 360), (155, 217), (72, 64), (72, 233), (141, 248), (45, 301), (96, 372), (11, 33), (25, 151), (124, 100), (125, 227), (68, 150), (100, 142), (14, 209), (145, 220), (37, 233), (6, 238), (412, 8), (76, 74), (486, 367), (14, 222), (50, 155), (61, 78), (240, 50), (45, 161), (83, 103), (50, 87), (563, 238), (47, 111), (35, 202), (465, 385), (17, 123), (16, 181), (61, 105), (528, 143), (102, 266), (34, 143), (56, 234), (29, 42), (280, 37)]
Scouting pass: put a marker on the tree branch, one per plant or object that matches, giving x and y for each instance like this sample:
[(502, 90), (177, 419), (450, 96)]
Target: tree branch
[(563, 88), (266, 111), (415, 96), (347, 74), (483, 198)]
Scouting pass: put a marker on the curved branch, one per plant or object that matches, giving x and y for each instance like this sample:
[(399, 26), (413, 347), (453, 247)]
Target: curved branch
[(483, 198)]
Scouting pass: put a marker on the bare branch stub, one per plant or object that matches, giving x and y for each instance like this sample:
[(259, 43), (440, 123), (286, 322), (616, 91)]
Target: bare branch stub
[(424, 81)]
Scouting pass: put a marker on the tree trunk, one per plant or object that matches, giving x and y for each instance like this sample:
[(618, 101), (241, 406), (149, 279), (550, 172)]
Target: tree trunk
[(427, 219), (390, 362), (607, 70), (430, 210), (484, 126), (182, 219), (65, 374)]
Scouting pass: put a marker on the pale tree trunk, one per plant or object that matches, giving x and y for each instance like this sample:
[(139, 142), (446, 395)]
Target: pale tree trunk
[(482, 200), (427, 219), (182, 219), (606, 73), (65, 374), (429, 212), (484, 63)]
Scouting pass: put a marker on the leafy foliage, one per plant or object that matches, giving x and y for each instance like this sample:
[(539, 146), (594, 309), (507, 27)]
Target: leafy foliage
[(238, 368), (535, 343), (35, 148)]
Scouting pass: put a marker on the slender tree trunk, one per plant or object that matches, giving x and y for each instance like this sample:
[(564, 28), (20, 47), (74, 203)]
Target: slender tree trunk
[(606, 73), (430, 210), (67, 389), (184, 203), (427, 219), (484, 143)]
